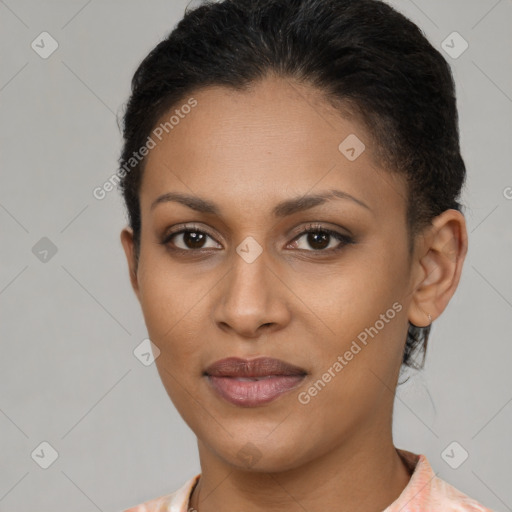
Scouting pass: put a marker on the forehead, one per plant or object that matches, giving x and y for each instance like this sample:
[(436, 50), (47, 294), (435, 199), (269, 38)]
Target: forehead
[(254, 147)]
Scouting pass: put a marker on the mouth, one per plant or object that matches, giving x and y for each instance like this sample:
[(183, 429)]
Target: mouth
[(250, 383)]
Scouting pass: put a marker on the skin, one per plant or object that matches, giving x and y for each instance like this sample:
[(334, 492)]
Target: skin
[(246, 152)]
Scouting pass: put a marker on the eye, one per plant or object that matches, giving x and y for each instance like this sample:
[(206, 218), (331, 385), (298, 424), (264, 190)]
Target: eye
[(189, 239), (321, 239)]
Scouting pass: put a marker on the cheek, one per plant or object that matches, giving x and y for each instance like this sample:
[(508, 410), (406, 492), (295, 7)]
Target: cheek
[(364, 315), (354, 296), (171, 307), (172, 314)]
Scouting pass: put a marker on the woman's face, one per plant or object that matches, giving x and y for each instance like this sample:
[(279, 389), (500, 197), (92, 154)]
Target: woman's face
[(247, 282)]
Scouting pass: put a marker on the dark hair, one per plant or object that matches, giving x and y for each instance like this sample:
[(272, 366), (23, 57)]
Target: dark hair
[(361, 54)]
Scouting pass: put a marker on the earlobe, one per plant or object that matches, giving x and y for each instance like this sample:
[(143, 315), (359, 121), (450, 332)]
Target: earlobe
[(440, 267), (129, 250)]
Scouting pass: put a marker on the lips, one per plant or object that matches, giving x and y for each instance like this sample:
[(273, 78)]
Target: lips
[(260, 367), (250, 383)]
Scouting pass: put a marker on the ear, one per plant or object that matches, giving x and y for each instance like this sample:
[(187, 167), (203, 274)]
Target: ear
[(440, 264), (129, 250)]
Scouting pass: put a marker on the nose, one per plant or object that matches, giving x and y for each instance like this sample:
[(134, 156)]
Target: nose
[(253, 300)]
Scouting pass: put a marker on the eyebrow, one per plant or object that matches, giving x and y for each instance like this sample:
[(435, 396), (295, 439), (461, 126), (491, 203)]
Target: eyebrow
[(283, 209)]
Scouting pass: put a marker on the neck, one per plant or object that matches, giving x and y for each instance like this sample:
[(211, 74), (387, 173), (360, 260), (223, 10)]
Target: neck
[(365, 474)]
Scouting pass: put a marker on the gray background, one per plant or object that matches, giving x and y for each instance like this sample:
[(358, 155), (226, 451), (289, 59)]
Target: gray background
[(69, 324)]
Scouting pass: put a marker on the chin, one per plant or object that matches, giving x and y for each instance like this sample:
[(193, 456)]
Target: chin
[(258, 453)]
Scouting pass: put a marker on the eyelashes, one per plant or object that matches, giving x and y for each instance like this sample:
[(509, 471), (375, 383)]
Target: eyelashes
[(192, 238), (317, 229), (187, 231)]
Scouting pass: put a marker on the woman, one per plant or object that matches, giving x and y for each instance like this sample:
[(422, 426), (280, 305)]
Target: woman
[(291, 171)]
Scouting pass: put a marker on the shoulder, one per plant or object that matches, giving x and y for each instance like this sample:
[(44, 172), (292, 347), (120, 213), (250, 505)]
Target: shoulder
[(160, 504), (176, 501), (445, 496), (426, 491)]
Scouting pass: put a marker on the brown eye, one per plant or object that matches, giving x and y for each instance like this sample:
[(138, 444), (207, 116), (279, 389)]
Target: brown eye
[(193, 239), (188, 240), (319, 239)]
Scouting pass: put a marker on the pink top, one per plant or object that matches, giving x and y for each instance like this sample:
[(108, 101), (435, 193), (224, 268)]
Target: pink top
[(424, 492)]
